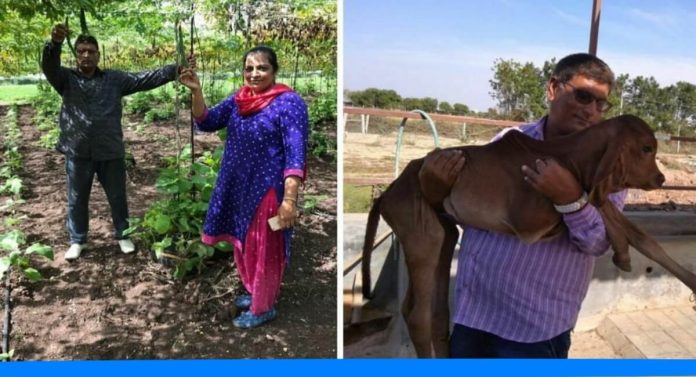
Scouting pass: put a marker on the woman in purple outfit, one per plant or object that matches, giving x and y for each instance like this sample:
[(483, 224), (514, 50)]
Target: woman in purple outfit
[(261, 171)]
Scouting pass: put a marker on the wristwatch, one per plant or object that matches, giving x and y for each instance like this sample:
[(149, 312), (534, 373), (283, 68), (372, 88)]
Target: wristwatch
[(572, 207)]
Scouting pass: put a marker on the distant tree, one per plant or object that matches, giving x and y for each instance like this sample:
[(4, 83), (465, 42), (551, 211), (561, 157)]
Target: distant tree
[(373, 97), (685, 98), (670, 109), (410, 103), (617, 95), (428, 104), (388, 99), (644, 97), (359, 98), (445, 107), (461, 109), (547, 70), (520, 88), (491, 113)]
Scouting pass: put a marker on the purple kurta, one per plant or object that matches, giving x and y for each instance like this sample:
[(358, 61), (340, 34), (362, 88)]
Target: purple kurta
[(529, 292), (261, 150)]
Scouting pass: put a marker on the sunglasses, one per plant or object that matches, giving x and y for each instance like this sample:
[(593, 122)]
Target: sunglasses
[(584, 97)]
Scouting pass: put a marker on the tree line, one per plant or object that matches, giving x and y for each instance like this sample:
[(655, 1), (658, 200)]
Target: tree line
[(520, 93), (390, 99)]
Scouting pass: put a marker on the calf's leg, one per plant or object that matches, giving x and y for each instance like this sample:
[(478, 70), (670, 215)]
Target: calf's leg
[(441, 312), (420, 250), (617, 236)]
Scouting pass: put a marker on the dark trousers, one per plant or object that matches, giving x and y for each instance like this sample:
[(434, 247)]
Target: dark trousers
[(467, 342), (112, 176)]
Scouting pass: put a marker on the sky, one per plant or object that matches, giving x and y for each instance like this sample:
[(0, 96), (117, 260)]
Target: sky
[(446, 48)]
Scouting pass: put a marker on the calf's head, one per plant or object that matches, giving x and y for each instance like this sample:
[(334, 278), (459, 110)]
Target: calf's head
[(629, 159)]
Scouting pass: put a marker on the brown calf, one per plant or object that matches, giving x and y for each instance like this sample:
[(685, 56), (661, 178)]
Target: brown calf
[(490, 193)]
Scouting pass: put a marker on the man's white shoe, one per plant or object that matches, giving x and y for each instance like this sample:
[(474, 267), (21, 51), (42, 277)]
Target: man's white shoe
[(74, 251), (126, 246)]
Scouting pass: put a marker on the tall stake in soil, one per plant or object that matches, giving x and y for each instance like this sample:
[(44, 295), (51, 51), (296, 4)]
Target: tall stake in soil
[(193, 154), (7, 322), (179, 50)]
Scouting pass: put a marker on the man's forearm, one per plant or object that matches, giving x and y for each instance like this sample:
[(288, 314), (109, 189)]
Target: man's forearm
[(50, 63), (50, 58), (147, 80)]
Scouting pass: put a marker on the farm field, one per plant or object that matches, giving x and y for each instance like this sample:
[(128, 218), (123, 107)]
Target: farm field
[(172, 299), (17, 93), (108, 305)]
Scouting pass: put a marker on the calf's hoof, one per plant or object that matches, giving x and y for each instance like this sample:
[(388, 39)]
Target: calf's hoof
[(623, 263)]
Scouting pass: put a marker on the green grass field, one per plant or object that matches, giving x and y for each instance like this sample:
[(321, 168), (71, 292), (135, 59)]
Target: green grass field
[(16, 93), (356, 199)]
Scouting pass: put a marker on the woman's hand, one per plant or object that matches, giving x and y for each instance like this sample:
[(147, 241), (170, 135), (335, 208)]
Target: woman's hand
[(287, 214), (188, 78)]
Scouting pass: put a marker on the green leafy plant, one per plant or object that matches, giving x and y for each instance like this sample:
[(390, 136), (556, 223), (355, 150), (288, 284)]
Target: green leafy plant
[(309, 202), (322, 117), (11, 243), (154, 104), (49, 139), (47, 104), (10, 216), (172, 226), (163, 112), (12, 158), (7, 356), (12, 185)]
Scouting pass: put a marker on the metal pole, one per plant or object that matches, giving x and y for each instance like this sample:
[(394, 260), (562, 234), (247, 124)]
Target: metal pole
[(8, 313), (594, 29)]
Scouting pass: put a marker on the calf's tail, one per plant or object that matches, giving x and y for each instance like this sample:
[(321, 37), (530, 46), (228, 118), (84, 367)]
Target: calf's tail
[(370, 232)]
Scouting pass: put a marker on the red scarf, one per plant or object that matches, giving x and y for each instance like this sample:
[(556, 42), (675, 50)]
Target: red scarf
[(250, 103)]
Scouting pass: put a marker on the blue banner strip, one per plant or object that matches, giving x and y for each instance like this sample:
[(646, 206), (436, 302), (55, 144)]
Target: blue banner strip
[(352, 368)]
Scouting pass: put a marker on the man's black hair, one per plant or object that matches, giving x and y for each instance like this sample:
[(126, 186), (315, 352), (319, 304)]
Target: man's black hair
[(88, 39), (586, 65)]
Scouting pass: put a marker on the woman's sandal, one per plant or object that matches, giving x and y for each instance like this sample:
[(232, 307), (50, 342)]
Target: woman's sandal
[(249, 320), (243, 302)]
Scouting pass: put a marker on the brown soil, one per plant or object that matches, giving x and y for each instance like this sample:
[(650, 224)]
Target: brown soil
[(108, 305)]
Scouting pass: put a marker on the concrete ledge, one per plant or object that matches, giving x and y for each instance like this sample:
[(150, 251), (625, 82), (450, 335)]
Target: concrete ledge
[(648, 286), (664, 223)]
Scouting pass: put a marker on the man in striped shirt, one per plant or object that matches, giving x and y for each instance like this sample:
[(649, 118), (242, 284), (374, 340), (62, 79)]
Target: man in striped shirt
[(519, 300)]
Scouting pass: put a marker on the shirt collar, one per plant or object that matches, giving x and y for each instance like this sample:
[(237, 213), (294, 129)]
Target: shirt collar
[(97, 72), (536, 130)]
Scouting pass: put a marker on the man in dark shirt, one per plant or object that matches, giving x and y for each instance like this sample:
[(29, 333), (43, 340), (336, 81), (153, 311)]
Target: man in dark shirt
[(91, 137)]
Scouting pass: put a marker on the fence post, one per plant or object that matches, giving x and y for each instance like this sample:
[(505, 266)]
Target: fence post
[(364, 123)]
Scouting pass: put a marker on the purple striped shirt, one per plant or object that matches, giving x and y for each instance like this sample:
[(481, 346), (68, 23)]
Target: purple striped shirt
[(529, 292)]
